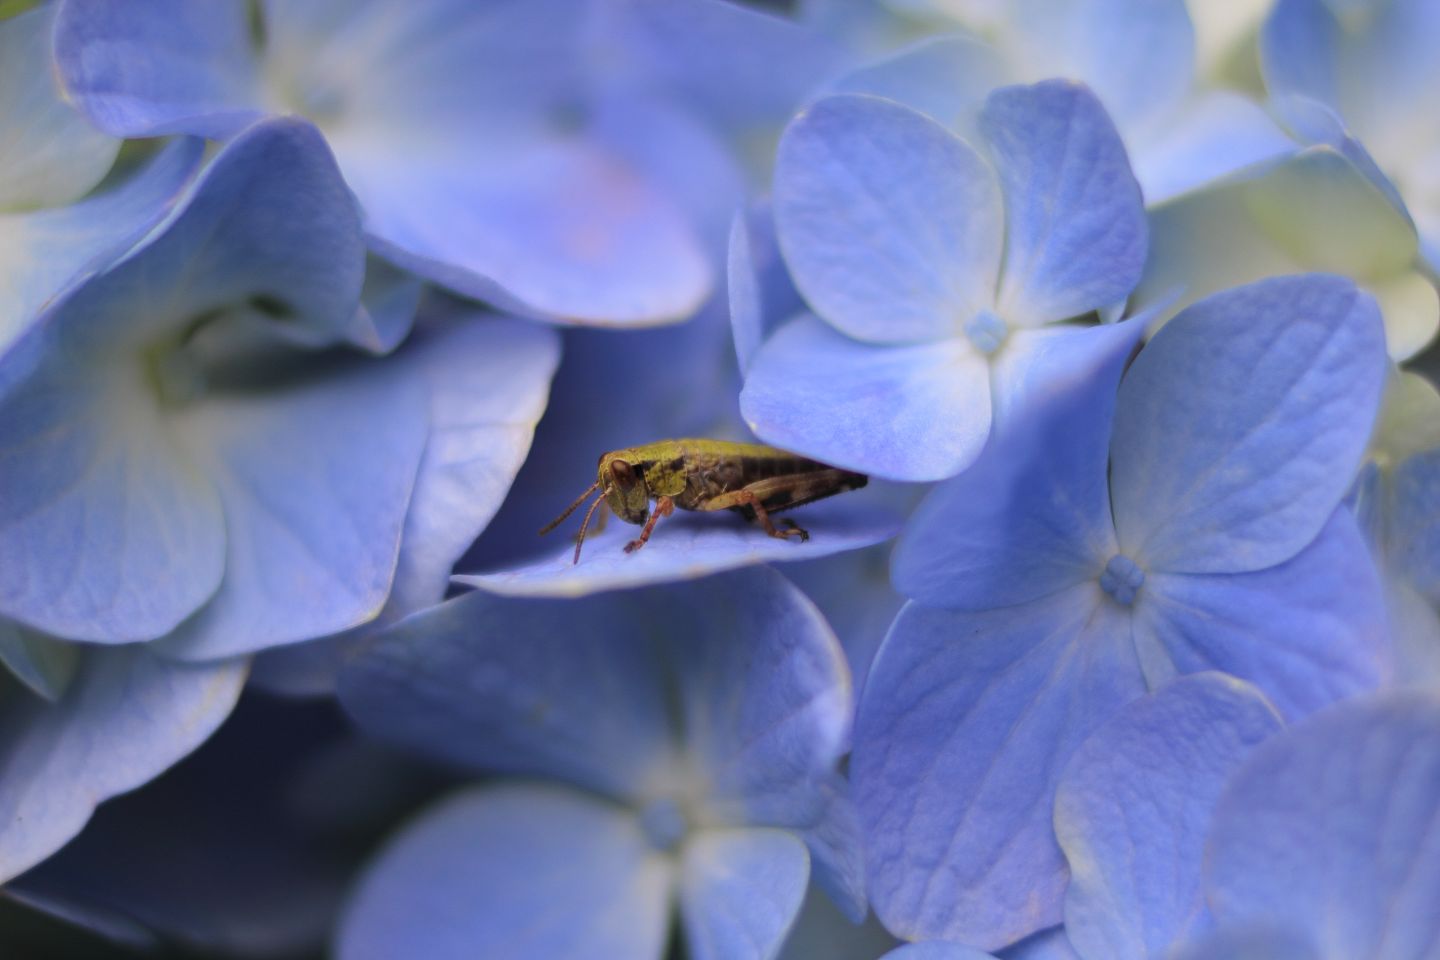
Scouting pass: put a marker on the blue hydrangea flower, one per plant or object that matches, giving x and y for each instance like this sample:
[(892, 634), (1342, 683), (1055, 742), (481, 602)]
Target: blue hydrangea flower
[(895, 231), (677, 743), (1081, 562), (1374, 66), (484, 150), (50, 159), (181, 464)]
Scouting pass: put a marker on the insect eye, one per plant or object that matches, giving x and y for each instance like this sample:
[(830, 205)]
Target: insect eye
[(621, 470)]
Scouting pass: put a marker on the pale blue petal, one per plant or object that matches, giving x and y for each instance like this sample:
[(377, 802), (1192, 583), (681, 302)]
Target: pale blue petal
[(1307, 632), (686, 546), (760, 290), (1297, 51), (572, 690), (740, 891), (51, 154), (837, 850), (1133, 808), (173, 66), (889, 222), (126, 717), (1137, 55), (936, 950), (1050, 944), (1241, 424), (946, 78), (1331, 829), (562, 230), (911, 412), (1212, 134), (42, 663), (41, 252), (764, 698), (963, 729), (512, 871), (1261, 942), (107, 531), (1414, 526), (1075, 233), (1032, 516), (388, 302)]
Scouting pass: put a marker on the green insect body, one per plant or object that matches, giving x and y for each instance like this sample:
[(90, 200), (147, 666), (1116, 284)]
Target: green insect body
[(749, 478)]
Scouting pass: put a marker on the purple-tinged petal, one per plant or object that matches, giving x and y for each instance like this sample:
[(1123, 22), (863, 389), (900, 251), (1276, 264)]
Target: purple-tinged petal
[(389, 300), (1297, 51), (1307, 632), (687, 546), (1032, 516), (963, 730), (172, 66), (1052, 944), (890, 223), (1075, 233), (1330, 829), (946, 78), (760, 290), (560, 689), (1259, 942), (315, 481), (1133, 809), (1241, 424), (125, 717), (1415, 522), (1209, 136), (912, 412), (937, 950), (517, 871), (740, 891), (837, 850), (51, 154)]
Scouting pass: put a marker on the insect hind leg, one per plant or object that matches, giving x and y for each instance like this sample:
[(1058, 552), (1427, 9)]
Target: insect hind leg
[(745, 500)]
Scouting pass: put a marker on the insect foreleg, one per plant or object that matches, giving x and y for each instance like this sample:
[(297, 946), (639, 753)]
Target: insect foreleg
[(663, 508)]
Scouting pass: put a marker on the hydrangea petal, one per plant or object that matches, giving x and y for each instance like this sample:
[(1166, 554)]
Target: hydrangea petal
[(760, 290), (1133, 808), (42, 663), (1075, 233), (1252, 943), (447, 887), (315, 480), (936, 950), (1297, 44), (1052, 944), (913, 412), (1307, 632), (1032, 516), (837, 850), (1330, 828), (962, 732), (1411, 308), (563, 231), (946, 78), (561, 689), (888, 221), (686, 546), (740, 891), (1212, 134), (41, 251), (1241, 424), (1415, 524), (51, 154), (107, 532), (176, 66), (388, 302), (126, 716)]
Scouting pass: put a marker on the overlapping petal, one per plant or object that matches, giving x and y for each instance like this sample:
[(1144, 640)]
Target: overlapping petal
[(1328, 831), (740, 891), (963, 730), (1240, 424), (889, 222), (125, 717), (447, 887), (1075, 232), (936, 950), (43, 664), (1133, 809), (911, 412)]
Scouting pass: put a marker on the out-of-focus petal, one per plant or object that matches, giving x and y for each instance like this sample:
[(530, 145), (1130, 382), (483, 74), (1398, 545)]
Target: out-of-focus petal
[(889, 222), (963, 729), (1241, 423), (1075, 232), (516, 870), (1411, 309), (315, 481), (912, 412), (837, 850), (761, 293), (1050, 944), (126, 716), (740, 891), (42, 663), (175, 66), (1032, 516), (51, 154), (1308, 632), (1329, 830), (1133, 808), (388, 301), (936, 950), (947, 78), (1415, 522), (1212, 134), (1261, 942), (570, 690)]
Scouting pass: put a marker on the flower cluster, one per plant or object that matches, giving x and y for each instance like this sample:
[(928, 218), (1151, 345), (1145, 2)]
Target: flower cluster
[(1122, 312)]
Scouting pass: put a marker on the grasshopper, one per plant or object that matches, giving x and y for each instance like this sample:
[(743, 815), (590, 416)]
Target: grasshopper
[(750, 478)]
